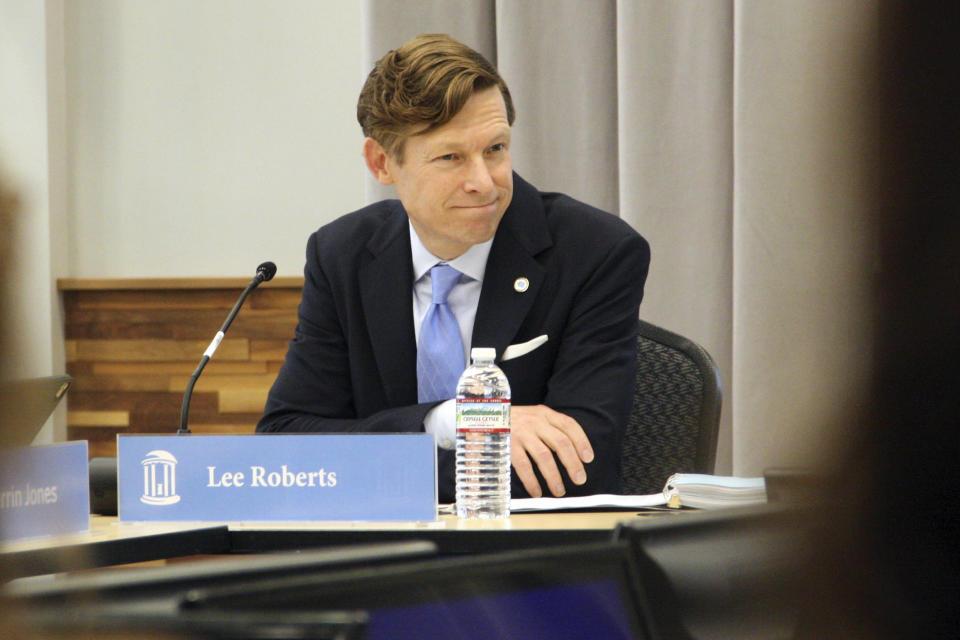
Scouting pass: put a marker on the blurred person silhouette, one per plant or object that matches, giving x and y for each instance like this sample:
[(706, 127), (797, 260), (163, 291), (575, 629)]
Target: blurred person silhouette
[(15, 621), (8, 206), (888, 566)]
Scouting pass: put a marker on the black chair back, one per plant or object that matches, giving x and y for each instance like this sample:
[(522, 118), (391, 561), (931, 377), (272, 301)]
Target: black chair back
[(676, 412)]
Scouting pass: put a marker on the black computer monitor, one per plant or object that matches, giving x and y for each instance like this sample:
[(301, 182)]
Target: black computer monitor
[(114, 588), (583, 591), (132, 601), (729, 573)]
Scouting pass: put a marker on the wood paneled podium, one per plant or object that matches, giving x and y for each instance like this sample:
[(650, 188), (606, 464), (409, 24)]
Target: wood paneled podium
[(132, 343)]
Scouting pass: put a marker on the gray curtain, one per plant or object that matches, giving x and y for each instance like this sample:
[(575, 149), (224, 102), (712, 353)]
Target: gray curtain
[(732, 135)]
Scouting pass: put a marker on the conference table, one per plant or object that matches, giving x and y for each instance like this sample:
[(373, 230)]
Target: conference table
[(730, 571), (111, 542)]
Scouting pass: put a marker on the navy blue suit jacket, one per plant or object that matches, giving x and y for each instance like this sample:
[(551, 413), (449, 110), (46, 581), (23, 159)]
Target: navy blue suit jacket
[(352, 364)]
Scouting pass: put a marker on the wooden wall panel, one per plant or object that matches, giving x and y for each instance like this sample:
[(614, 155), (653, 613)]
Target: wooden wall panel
[(132, 345)]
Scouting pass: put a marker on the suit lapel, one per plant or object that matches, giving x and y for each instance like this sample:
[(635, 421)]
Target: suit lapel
[(385, 291), (386, 282), (522, 234)]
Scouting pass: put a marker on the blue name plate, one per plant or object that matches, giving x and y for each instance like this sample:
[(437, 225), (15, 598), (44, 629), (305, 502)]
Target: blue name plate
[(44, 490), (277, 477)]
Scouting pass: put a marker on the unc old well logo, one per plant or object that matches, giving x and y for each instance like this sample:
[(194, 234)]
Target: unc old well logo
[(159, 478)]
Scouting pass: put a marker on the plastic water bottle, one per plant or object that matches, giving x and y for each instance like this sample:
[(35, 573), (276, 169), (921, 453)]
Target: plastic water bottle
[(483, 439)]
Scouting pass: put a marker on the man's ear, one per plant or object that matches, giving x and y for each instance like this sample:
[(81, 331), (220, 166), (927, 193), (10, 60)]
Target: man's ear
[(377, 161)]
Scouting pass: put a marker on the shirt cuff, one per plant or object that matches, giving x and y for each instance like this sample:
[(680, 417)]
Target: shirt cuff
[(441, 421)]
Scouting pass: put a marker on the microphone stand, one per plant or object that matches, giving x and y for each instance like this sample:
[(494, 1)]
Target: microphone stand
[(265, 272)]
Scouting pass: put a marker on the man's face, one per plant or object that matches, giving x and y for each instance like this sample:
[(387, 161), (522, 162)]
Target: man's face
[(456, 181)]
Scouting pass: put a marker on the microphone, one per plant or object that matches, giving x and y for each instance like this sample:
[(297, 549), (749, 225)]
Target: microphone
[(265, 272)]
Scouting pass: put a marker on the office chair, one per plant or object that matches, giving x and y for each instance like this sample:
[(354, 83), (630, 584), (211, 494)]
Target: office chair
[(676, 412)]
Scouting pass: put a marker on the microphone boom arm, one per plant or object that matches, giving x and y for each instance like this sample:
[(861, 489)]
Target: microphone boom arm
[(265, 272)]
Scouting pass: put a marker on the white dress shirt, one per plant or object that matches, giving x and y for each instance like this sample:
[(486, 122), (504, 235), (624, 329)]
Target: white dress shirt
[(463, 301)]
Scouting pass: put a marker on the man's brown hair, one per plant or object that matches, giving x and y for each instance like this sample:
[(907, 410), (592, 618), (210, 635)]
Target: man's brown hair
[(424, 82)]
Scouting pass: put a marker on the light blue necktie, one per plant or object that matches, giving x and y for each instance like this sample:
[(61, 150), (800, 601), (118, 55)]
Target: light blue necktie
[(440, 350)]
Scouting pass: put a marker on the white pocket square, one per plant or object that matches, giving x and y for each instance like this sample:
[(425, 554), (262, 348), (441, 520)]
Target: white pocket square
[(517, 350)]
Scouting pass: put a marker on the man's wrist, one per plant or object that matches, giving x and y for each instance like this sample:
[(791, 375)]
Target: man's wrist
[(441, 421)]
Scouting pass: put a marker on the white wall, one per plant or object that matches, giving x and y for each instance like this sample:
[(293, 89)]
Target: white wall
[(207, 136), (173, 138)]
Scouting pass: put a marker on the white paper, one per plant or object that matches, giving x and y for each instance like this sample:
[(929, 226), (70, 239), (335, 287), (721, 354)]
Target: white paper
[(600, 500), (721, 482), (702, 491)]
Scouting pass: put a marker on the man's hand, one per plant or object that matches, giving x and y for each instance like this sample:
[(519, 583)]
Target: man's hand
[(536, 433)]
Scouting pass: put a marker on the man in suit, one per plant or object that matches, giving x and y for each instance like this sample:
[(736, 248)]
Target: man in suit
[(557, 281)]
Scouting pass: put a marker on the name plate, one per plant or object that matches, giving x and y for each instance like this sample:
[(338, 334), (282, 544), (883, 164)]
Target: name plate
[(44, 490), (277, 477)]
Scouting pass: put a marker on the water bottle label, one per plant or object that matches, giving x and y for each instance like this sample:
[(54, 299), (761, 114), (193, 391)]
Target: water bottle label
[(491, 415)]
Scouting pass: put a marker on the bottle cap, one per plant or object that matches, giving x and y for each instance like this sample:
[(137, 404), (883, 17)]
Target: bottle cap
[(483, 353)]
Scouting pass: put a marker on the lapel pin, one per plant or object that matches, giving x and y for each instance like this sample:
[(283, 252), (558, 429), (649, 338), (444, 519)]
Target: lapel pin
[(521, 284)]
